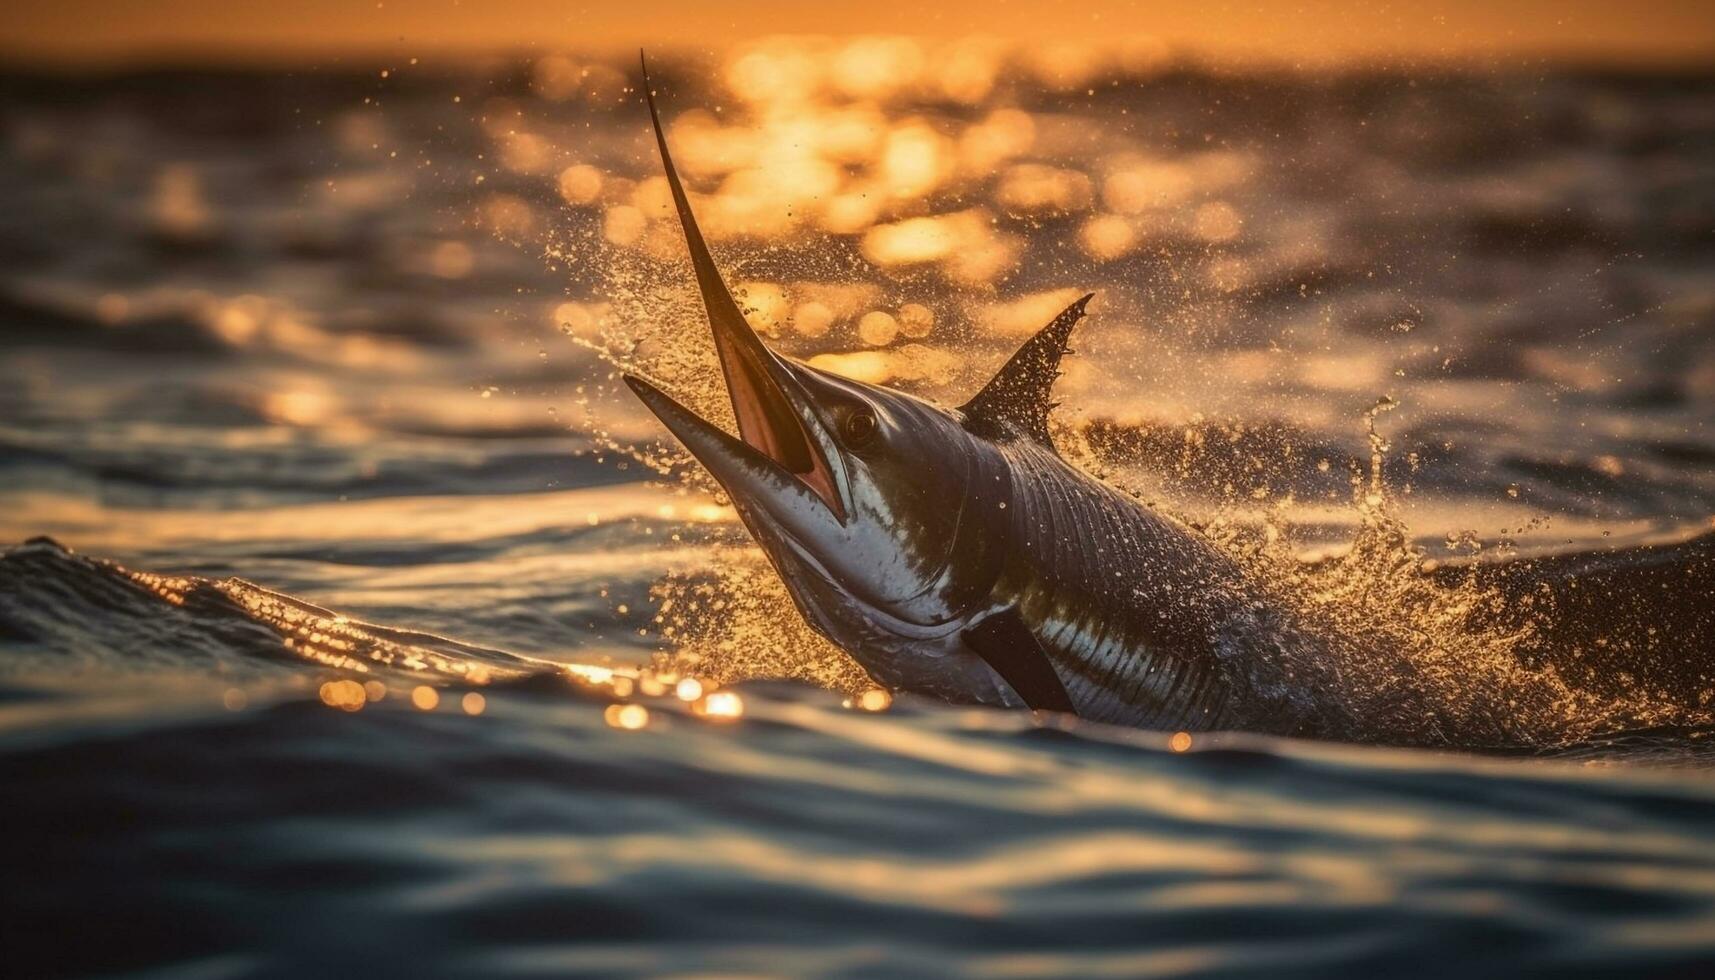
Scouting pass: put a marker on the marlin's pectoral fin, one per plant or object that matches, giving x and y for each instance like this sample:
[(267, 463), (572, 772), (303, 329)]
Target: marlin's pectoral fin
[(1006, 644)]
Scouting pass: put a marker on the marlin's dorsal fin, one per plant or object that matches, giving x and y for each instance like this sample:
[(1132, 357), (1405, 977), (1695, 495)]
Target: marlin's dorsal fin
[(1016, 400)]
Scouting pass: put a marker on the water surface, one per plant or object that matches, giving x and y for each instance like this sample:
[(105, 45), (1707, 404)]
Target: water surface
[(308, 379)]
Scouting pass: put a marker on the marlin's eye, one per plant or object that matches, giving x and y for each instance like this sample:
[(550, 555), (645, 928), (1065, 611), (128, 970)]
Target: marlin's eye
[(858, 429)]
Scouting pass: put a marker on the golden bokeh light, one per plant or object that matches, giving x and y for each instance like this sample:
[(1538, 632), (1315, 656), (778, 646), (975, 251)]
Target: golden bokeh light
[(1003, 135), (628, 717), (452, 260), (1036, 188), (870, 367), (1217, 221), (875, 699), (723, 706), (812, 319), (877, 328), (765, 305), (297, 406), (915, 159), (623, 225), (916, 320), (580, 184), (1107, 236), (347, 695)]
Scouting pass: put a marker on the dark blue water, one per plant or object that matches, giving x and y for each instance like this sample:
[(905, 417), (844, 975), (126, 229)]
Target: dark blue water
[(356, 555)]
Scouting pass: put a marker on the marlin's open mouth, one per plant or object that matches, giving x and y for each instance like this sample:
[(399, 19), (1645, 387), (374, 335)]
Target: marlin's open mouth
[(774, 445), (768, 417), (774, 418)]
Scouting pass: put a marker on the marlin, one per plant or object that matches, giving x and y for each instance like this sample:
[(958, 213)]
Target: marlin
[(954, 553)]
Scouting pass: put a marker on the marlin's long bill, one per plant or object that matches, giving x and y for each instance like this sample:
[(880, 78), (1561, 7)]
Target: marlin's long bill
[(758, 384)]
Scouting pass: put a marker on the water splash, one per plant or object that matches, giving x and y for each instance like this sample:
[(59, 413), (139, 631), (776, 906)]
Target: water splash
[(1404, 654), (732, 619), (1414, 658)]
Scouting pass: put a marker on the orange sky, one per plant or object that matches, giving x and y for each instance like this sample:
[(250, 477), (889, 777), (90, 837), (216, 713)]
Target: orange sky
[(236, 30)]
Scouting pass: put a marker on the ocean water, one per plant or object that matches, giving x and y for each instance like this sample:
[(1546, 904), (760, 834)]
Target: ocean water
[(354, 620)]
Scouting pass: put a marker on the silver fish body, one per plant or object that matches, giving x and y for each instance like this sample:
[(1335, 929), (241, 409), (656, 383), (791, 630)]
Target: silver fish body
[(954, 553)]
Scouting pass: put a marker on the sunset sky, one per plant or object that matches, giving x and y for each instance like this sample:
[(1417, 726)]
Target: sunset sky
[(107, 31)]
